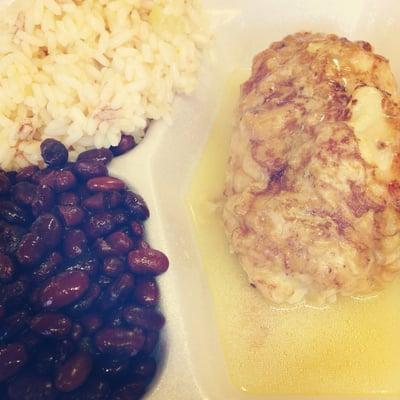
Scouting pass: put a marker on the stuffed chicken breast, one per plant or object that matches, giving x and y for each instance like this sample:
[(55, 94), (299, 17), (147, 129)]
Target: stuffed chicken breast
[(312, 195)]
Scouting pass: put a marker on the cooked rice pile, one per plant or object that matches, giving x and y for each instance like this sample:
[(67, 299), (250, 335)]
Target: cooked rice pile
[(82, 71)]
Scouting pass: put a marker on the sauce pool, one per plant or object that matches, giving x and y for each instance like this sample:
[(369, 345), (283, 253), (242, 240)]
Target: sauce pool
[(349, 348)]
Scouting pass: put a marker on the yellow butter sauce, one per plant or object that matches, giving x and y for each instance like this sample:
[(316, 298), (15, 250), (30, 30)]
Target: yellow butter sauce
[(351, 347)]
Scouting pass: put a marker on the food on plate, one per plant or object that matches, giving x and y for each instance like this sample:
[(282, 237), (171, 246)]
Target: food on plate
[(84, 71), (78, 294), (348, 349), (313, 184)]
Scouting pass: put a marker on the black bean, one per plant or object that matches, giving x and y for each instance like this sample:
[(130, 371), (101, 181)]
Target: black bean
[(87, 169), (126, 143), (48, 267), (71, 215), (75, 243), (99, 225), (136, 206), (31, 249), (74, 372), (113, 266), (46, 177), (95, 202), (120, 217), (87, 301), (103, 249), (120, 341), (105, 184), (49, 228), (24, 193), (147, 261), (51, 324), (118, 291), (64, 181), (68, 199), (146, 292), (54, 153), (13, 213), (113, 199), (43, 200), (102, 155), (120, 242), (65, 288), (146, 318), (137, 229)]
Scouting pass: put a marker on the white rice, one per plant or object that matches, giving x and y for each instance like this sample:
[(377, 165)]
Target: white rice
[(83, 71)]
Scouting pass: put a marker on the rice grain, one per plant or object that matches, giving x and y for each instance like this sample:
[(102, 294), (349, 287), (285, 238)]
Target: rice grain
[(85, 71)]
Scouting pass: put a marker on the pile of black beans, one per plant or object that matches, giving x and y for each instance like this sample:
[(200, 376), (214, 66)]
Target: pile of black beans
[(78, 295)]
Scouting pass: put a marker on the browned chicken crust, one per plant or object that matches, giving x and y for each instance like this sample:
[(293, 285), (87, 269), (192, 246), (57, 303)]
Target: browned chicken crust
[(312, 189)]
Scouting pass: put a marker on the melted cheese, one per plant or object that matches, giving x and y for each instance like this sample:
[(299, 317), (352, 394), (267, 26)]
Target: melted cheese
[(376, 137)]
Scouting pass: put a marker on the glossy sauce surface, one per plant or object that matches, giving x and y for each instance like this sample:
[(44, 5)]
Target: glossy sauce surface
[(351, 347)]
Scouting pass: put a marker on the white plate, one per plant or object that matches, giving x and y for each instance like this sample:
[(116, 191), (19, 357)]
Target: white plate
[(193, 367)]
